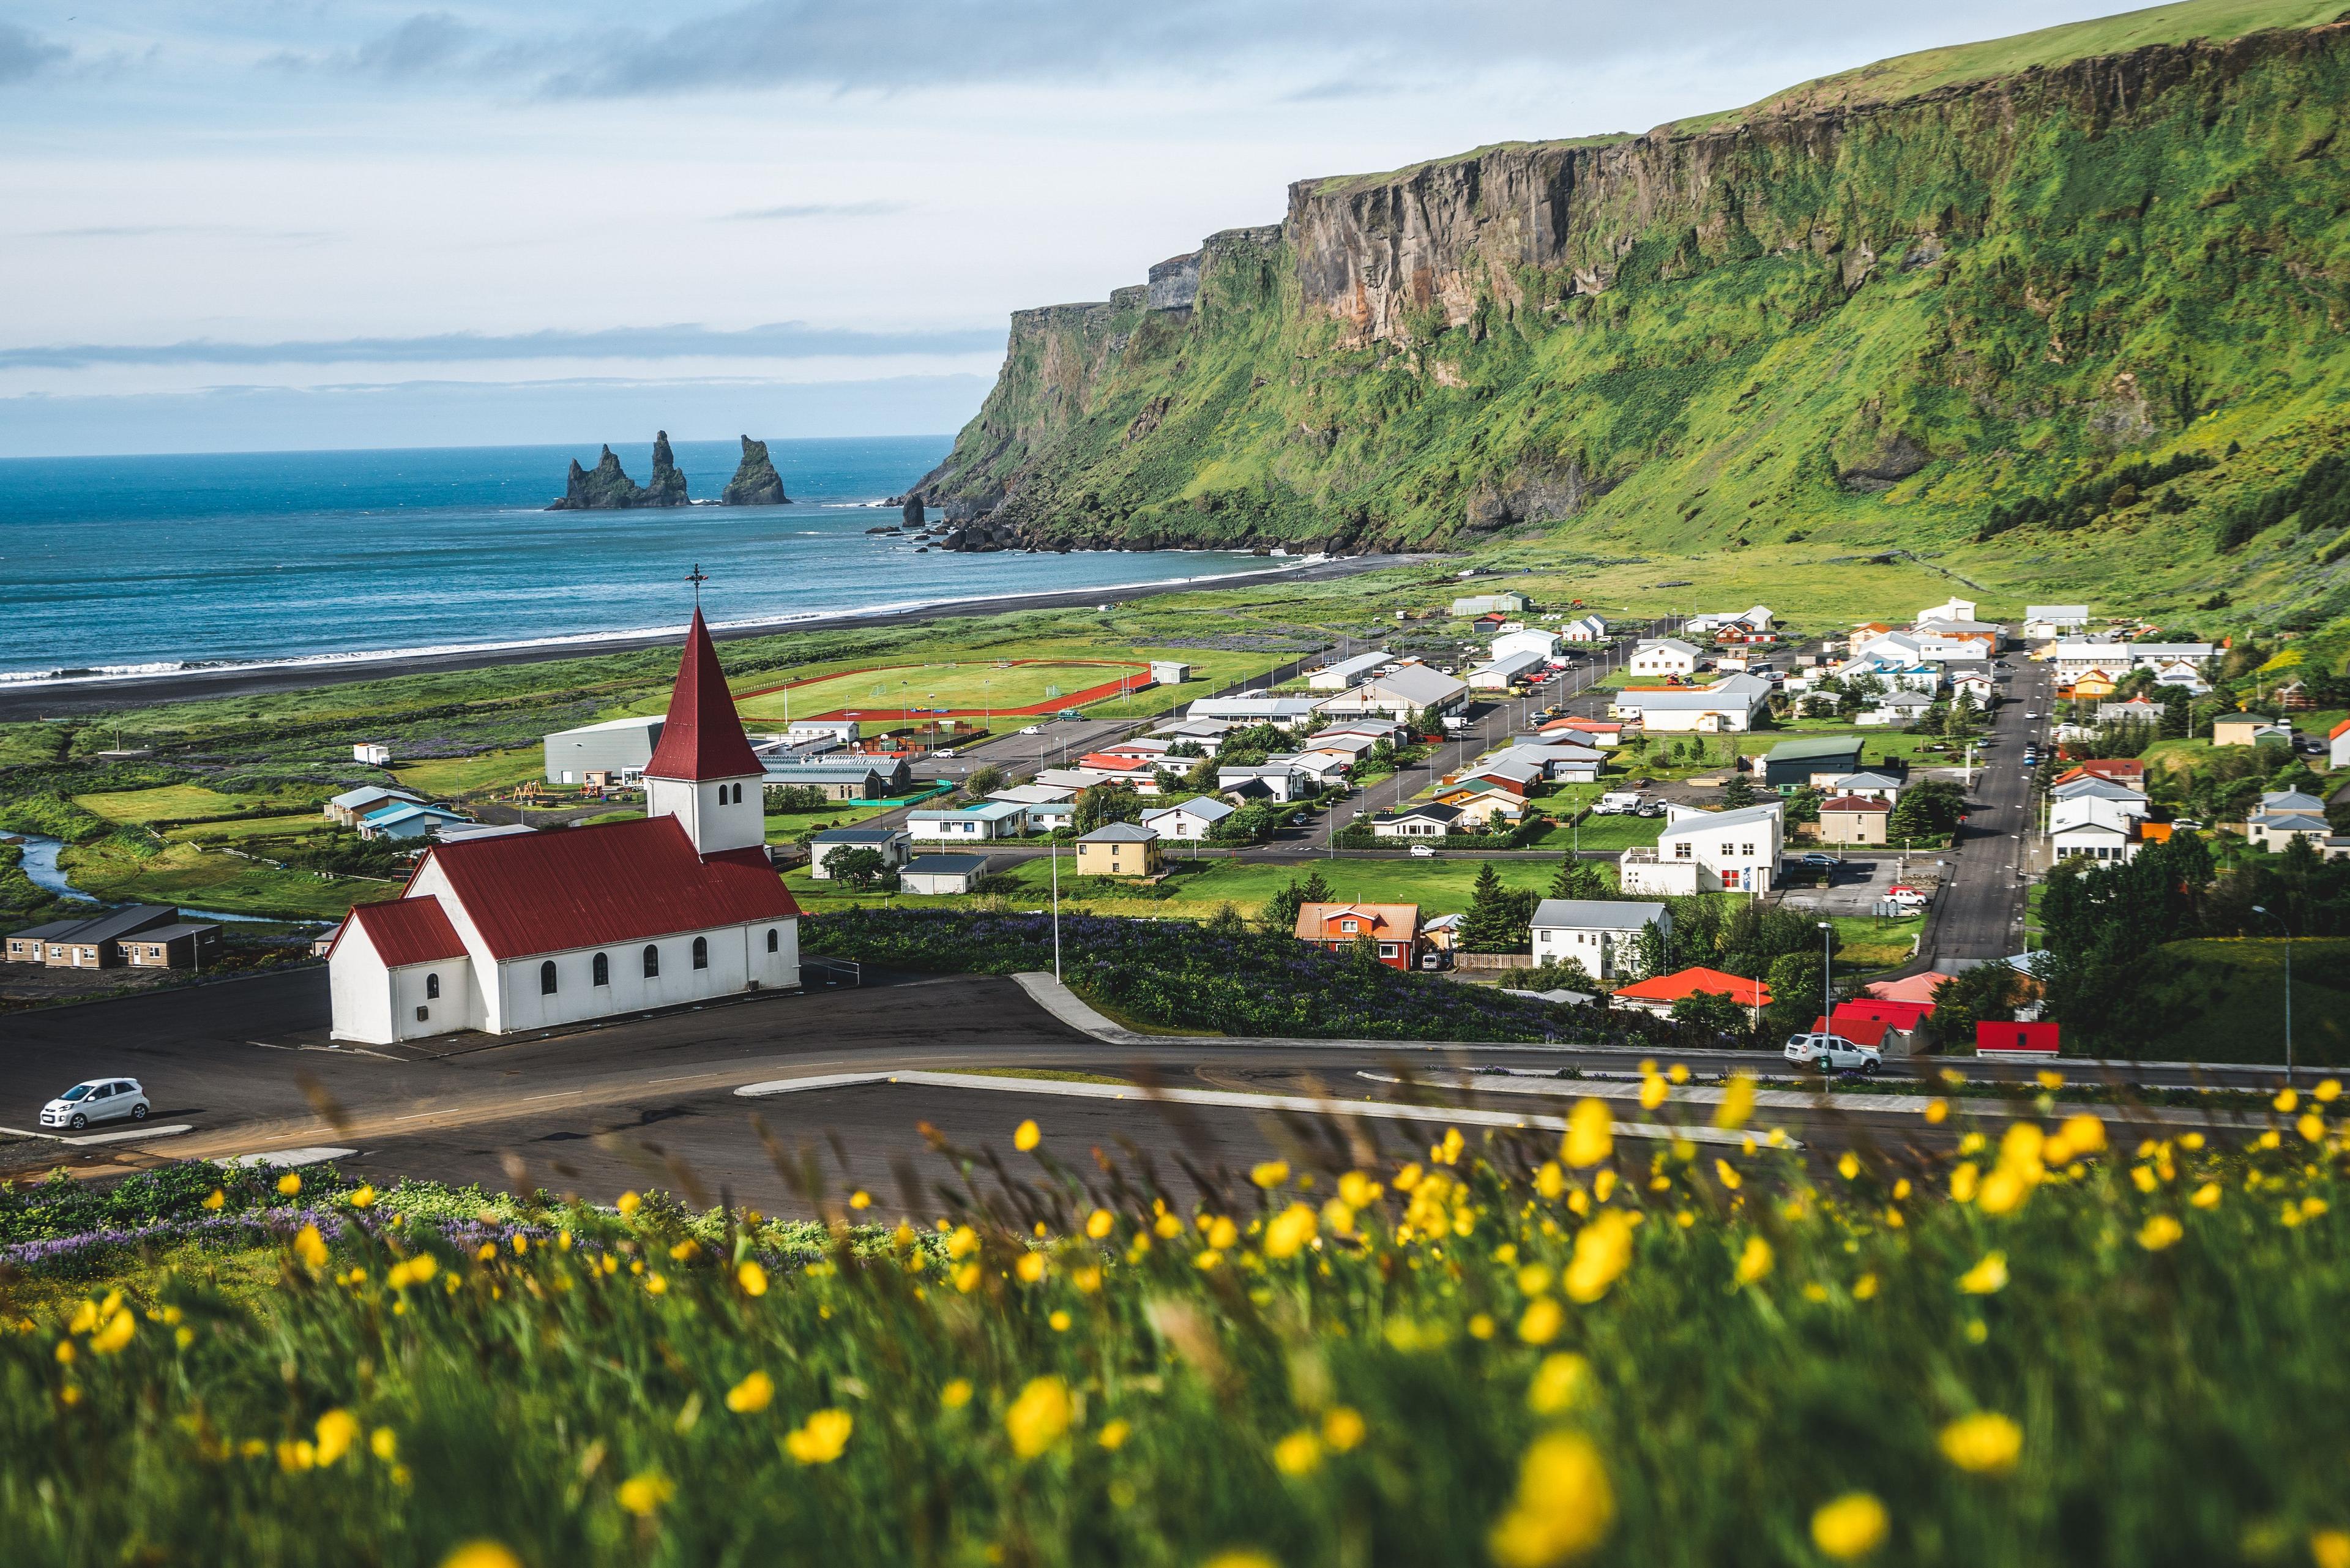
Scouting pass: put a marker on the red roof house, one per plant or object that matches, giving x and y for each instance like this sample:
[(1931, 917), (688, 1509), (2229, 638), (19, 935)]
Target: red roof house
[(1868, 1031), (2016, 1039), (1657, 995), (1338, 927), (1904, 1015)]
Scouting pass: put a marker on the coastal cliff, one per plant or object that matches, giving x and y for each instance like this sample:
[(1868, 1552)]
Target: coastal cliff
[(605, 488), (755, 480), (1873, 309)]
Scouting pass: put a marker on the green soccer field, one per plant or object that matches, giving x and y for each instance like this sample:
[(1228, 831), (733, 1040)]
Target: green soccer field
[(970, 686)]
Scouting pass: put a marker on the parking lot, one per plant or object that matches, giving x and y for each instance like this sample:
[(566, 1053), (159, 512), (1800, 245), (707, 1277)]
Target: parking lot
[(1856, 883)]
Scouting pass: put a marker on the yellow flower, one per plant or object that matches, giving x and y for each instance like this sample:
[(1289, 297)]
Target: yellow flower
[(1101, 1223), (1986, 1278), (1851, 1526), (1060, 1321), (1864, 1288), (1550, 1181), (215, 1199), (310, 1247), (751, 1396), (2081, 1134), (115, 1334), (1223, 1234), (1114, 1435), (962, 1242), (1270, 1174), (1937, 1111), (1560, 1382), (2329, 1548), (1985, 1443), (1541, 1321), (628, 1204), (1755, 1262), (2159, 1232), (480, 1554), (1298, 1454), (1603, 1250), (2205, 1195), (1590, 1135), (1563, 1506), (1358, 1190), (1653, 1091), (1026, 1137), (956, 1393), (1848, 1166), (384, 1444), (294, 1457), (339, 1434), (1728, 1173), (819, 1439), (751, 1277), (288, 1185), (1240, 1559), (363, 1199), (1289, 1232), (1737, 1102), (656, 1284), (1030, 1267), (2312, 1127), (643, 1493), (1039, 1416), (1342, 1428), (2286, 1099), (2051, 1081), (2329, 1091)]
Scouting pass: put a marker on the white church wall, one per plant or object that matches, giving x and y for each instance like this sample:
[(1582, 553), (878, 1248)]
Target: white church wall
[(713, 818), (457, 1007), (737, 956), (361, 989)]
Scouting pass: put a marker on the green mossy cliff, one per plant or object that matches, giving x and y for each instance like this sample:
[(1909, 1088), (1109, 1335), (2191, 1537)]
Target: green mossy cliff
[(1857, 320)]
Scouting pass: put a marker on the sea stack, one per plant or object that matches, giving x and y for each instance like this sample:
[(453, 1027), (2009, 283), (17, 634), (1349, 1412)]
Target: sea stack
[(755, 480), (607, 489)]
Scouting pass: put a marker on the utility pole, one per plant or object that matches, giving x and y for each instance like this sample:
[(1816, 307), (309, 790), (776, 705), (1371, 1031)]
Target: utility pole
[(2259, 910), (1057, 909), (1827, 970)]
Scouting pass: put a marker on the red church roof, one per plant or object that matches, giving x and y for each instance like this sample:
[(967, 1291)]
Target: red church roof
[(405, 931), (702, 738), (616, 882)]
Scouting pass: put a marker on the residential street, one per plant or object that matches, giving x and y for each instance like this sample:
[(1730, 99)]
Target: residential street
[(1979, 914)]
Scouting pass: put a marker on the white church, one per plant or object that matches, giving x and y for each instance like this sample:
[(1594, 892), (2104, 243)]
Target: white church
[(532, 929)]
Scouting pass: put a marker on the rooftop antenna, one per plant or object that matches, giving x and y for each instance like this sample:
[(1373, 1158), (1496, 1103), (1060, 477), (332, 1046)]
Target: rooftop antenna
[(697, 577)]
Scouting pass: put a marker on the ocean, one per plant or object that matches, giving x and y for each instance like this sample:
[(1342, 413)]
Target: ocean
[(128, 565)]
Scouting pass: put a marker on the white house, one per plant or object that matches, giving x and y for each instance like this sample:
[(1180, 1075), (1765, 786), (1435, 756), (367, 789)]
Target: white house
[(1322, 767), (1868, 787), (1284, 780), (1710, 852), (931, 875), (1663, 656), (1588, 629), (1408, 689), (1504, 671), (1903, 707), (989, 819), (1254, 709), (1727, 705), (892, 844), (1346, 672), (1415, 822), (373, 753), (1602, 934), (2285, 815), (2180, 672), (2097, 829), (2337, 746), (1526, 639), (1948, 609), (545, 929), (1190, 822), (2045, 623)]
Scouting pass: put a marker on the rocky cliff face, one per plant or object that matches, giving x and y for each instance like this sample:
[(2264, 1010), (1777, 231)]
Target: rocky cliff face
[(1817, 316), (755, 480), (605, 488)]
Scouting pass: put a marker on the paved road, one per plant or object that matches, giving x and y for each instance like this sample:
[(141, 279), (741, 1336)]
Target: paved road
[(1980, 912)]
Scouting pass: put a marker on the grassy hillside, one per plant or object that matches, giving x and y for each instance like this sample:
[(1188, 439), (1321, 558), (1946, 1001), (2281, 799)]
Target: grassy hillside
[(2106, 290)]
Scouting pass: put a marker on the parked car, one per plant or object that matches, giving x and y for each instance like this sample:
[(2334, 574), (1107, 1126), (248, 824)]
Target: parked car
[(99, 1100), (1423, 851), (2032, 712), (1650, 808), (1832, 1054), (1907, 898), (1821, 857), (1033, 729)]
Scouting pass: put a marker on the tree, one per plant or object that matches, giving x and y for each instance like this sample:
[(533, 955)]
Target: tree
[(1557, 974), (2178, 713), (859, 866), (1279, 917), (1711, 1013), (1099, 805), (1797, 982), (1738, 792), (985, 780), (1927, 809), (1986, 994), (1226, 923), (1498, 919)]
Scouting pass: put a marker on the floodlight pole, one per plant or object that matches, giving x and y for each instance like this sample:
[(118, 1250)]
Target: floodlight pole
[(1057, 911), (1827, 971), (2260, 909)]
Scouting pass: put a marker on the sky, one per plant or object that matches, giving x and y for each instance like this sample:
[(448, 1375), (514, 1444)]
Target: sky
[(270, 225)]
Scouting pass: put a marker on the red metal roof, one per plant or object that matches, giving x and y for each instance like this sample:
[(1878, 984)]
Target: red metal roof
[(2039, 1038), (1690, 981), (702, 738), (1868, 1031), (1854, 803), (1899, 1014), (405, 931), (616, 882)]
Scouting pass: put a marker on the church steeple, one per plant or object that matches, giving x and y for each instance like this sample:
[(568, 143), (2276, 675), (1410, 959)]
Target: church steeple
[(703, 773)]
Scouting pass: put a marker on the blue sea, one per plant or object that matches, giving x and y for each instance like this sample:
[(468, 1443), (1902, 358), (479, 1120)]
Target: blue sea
[(125, 564)]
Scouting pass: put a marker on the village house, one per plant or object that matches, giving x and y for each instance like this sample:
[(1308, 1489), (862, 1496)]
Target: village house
[(96, 942), (1407, 689), (352, 805), (187, 945), (1346, 672), (1543, 645), (1816, 763), (2337, 746), (970, 824), (1657, 993), (1601, 934), (1663, 656), (892, 844), (2094, 828), (1337, 928), (1709, 852), (2248, 729), (1120, 849), (1584, 629), (1424, 821), (863, 777), (1482, 805), (1504, 672), (1193, 822), (2285, 815), (620, 747), (1490, 604), (400, 820), (1854, 819), (938, 875), (2136, 711), (1282, 780), (2047, 623), (1727, 706), (1868, 786), (543, 928)]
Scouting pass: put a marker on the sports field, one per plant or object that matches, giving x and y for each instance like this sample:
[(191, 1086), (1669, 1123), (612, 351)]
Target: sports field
[(970, 686)]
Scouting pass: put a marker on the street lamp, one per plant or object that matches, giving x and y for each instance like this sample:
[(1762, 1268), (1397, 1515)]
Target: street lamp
[(2260, 909), (1057, 908), (1827, 969)]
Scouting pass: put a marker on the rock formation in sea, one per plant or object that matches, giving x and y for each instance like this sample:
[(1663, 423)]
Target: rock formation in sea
[(605, 489), (914, 510), (755, 480)]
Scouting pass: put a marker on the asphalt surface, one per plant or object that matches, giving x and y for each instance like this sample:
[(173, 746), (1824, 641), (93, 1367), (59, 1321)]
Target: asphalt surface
[(98, 695), (1979, 914)]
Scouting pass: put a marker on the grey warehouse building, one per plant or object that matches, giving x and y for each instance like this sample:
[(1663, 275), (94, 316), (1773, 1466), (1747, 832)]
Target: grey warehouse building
[(620, 747)]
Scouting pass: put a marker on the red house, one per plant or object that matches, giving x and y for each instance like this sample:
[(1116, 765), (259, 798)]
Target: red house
[(1336, 927), (2016, 1039), (1657, 994)]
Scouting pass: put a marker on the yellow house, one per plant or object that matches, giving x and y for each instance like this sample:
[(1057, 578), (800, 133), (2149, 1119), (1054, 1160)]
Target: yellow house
[(2093, 683), (1120, 849)]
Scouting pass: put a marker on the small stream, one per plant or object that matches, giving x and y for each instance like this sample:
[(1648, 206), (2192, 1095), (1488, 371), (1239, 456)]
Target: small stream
[(41, 865)]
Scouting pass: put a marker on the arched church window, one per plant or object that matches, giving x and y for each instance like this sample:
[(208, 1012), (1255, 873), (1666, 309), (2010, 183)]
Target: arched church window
[(701, 953), (772, 946), (432, 988), (546, 978), (652, 962), (603, 969)]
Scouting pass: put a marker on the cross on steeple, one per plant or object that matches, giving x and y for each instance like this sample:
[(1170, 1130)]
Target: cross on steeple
[(697, 577)]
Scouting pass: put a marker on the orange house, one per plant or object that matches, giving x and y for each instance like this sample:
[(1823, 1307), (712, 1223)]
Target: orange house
[(1336, 927)]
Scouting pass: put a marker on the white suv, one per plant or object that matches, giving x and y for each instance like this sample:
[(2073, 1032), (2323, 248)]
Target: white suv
[(100, 1100), (1833, 1053)]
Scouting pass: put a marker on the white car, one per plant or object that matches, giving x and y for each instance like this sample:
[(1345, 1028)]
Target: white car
[(1034, 729), (1423, 851), (1833, 1053), (99, 1100)]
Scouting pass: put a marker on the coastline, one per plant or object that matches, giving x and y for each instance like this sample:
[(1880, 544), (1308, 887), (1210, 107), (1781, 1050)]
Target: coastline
[(79, 695)]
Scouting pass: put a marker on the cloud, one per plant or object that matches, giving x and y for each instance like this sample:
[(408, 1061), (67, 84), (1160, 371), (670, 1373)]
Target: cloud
[(776, 340), (143, 231), (427, 44), (25, 53), (815, 210)]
